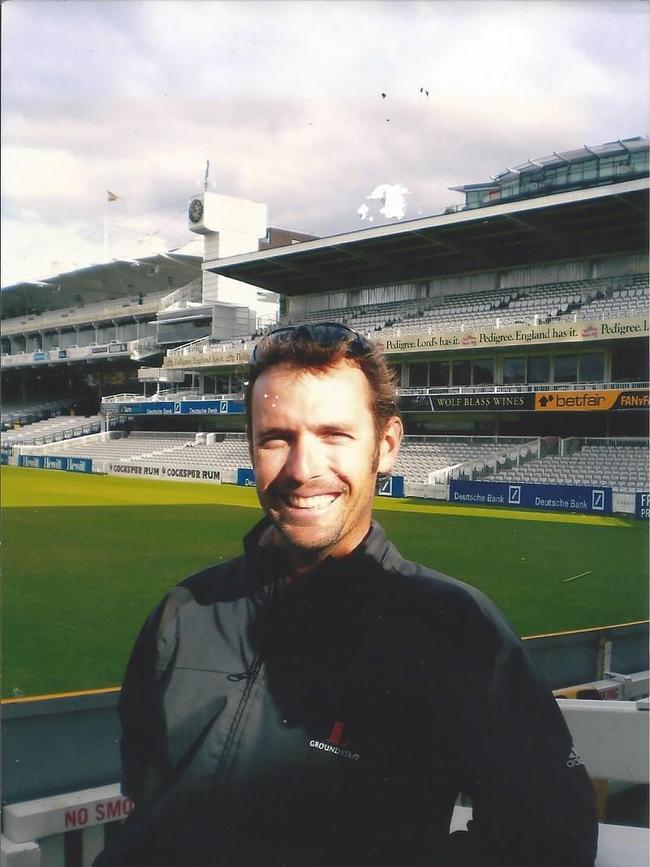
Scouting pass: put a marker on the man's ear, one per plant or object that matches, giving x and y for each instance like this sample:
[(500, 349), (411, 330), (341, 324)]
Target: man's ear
[(249, 440), (389, 444)]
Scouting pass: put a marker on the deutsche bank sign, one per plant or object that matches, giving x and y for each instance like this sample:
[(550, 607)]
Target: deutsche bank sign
[(393, 486), (555, 498)]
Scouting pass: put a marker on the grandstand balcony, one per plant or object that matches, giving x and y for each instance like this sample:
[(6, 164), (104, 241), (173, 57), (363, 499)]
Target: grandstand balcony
[(585, 303)]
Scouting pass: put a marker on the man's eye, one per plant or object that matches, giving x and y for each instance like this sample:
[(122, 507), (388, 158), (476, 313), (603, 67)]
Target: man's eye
[(338, 435), (272, 443)]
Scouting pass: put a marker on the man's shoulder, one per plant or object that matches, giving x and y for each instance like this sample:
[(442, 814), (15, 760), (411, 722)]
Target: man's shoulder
[(220, 582), (451, 604)]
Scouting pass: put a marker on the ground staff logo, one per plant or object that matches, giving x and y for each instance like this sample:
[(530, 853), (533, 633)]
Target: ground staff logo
[(335, 743)]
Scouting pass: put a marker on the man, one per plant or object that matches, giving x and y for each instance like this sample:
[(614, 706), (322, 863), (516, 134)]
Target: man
[(320, 700)]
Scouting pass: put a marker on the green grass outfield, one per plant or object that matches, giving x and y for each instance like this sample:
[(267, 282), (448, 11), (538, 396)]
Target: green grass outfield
[(86, 557)]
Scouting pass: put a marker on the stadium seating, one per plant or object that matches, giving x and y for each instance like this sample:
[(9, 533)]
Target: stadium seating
[(582, 299), (621, 467), (620, 464), (576, 300), (25, 413), (52, 430), (126, 448), (417, 459)]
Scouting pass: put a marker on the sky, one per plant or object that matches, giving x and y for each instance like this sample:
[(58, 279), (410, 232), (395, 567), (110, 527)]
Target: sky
[(309, 106)]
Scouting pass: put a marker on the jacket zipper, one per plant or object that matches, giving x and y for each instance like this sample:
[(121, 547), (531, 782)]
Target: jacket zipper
[(251, 673)]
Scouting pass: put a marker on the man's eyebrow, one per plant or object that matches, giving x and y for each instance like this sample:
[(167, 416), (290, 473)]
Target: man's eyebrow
[(319, 430), (334, 427)]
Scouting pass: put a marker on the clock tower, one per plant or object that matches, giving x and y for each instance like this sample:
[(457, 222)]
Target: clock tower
[(230, 226)]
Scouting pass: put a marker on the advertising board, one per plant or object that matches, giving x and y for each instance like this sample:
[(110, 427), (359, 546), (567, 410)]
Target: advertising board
[(553, 498), (156, 471), (31, 461), (245, 477), (180, 407), (393, 486), (559, 331)]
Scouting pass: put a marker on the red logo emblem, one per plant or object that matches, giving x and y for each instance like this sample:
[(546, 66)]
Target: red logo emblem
[(336, 735)]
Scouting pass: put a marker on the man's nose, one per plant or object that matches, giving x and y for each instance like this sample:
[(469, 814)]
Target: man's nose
[(304, 460)]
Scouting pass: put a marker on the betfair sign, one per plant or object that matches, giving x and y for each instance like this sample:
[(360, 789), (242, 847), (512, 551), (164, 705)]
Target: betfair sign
[(590, 401), (393, 342)]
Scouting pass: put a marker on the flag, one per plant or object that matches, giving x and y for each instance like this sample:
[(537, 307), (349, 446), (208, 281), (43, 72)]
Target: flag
[(111, 197)]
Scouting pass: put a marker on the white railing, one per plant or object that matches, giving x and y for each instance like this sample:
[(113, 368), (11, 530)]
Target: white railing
[(529, 450), (115, 309), (70, 353), (191, 292)]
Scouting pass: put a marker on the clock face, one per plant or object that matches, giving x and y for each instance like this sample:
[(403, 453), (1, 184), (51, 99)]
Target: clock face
[(196, 210)]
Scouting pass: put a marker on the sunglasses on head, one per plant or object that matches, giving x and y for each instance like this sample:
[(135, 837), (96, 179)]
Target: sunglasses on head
[(323, 333)]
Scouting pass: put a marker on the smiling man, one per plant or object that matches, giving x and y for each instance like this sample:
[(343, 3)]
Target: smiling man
[(322, 702), (317, 444)]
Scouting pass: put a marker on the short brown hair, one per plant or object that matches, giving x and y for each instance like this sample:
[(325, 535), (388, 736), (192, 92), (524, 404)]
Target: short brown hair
[(319, 346)]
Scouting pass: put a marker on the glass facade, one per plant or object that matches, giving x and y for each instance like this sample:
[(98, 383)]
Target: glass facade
[(539, 369), (419, 374), (439, 373), (483, 371), (592, 367), (461, 372), (614, 161), (514, 370)]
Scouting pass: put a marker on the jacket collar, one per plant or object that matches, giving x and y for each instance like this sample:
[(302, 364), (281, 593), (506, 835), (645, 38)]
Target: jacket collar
[(266, 562)]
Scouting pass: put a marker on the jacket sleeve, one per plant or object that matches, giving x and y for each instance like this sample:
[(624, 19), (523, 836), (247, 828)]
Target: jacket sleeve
[(141, 726), (533, 803)]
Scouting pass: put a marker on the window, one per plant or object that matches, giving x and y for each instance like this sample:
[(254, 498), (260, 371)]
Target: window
[(592, 367), (419, 374), (461, 373), (539, 368), (566, 368), (482, 371), (236, 384), (514, 370), (439, 373)]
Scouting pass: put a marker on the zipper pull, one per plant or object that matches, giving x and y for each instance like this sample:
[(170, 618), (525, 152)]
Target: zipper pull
[(244, 675)]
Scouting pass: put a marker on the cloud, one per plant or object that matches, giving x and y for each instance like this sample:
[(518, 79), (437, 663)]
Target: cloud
[(284, 99)]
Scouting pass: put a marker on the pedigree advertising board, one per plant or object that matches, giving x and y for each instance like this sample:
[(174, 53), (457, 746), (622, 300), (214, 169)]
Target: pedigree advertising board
[(513, 335), (393, 342)]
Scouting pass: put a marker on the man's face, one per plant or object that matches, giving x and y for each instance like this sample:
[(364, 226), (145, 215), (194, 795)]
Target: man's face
[(316, 455)]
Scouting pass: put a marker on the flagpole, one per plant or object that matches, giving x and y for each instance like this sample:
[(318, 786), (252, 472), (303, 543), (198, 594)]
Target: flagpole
[(110, 197), (106, 228)]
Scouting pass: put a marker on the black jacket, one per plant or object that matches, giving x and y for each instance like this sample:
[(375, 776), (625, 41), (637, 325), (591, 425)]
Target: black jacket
[(334, 721)]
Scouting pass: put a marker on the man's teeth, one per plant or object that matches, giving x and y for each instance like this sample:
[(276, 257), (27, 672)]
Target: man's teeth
[(319, 502)]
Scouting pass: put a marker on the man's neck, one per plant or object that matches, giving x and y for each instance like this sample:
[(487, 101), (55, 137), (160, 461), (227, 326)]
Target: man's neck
[(301, 562)]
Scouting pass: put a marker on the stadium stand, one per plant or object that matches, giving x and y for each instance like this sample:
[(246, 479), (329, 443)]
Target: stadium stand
[(26, 413), (418, 459), (594, 299), (125, 449), (531, 304), (52, 430), (621, 465)]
